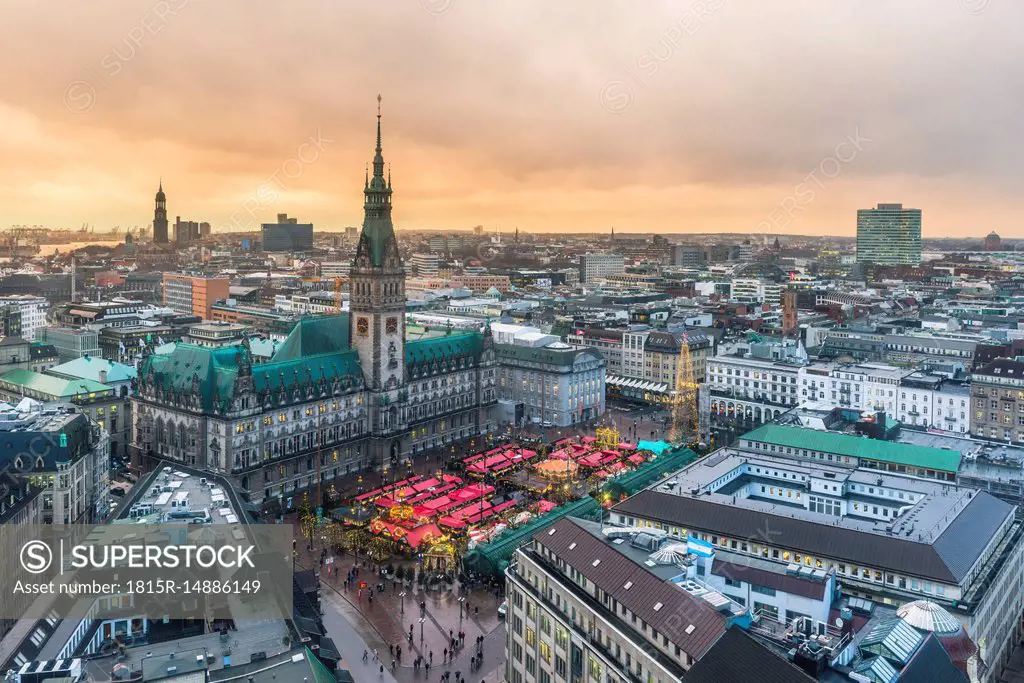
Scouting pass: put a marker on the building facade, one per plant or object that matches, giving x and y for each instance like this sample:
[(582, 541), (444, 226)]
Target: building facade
[(67, 457), (33, 311), (555, 383), (594, 267), (580, 610), (889, 538), (743, 391), (194, 294), (20, 507), (642, 363), (997, 401), (482, 283), (106, 406), (889, 235), (425, 265), (341, 394), (688, 256), (287, 235)]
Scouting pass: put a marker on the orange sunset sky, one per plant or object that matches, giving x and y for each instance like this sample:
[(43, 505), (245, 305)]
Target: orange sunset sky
[(575, 115)]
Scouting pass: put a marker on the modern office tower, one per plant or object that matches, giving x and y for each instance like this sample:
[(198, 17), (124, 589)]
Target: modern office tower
[(287, 235), (889, 235), (194, 294)]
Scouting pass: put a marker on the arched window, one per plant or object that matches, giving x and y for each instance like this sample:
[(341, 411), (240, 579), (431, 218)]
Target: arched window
[(182, 440), (159, 430)]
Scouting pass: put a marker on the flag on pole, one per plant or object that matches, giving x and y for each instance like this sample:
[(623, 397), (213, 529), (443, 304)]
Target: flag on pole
[(699, 547)]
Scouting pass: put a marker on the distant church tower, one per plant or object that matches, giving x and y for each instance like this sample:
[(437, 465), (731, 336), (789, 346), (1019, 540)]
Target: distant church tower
[(377, 291), (160, 216)]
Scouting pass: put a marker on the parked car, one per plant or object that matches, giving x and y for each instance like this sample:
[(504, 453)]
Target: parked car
[(503, 609)]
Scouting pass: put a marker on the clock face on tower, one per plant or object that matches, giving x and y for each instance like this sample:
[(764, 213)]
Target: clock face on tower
[(362, 326), (392, 325)]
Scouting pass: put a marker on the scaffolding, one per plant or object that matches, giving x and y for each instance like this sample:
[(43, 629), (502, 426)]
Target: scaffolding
[(685, 415)]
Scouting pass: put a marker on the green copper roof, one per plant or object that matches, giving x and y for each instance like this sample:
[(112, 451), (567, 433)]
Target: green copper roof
[(57, 387), (90, 367), (277, 374), (315, 335), (315, 351), (189, 367), (442, 347), (857, 447)]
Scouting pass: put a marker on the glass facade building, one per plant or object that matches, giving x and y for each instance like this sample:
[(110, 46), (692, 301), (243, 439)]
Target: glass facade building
[(889, 235)]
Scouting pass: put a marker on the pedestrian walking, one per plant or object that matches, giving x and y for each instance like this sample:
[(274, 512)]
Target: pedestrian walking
[(381, 674), (391, 649), (392, 664), (376, 658), (365, 655), (431, 654)]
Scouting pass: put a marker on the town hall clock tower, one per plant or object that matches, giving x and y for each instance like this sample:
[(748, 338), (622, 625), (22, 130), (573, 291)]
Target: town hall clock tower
[(377, 305)]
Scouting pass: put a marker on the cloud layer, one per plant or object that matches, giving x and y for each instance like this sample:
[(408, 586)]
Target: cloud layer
[(547, 116)]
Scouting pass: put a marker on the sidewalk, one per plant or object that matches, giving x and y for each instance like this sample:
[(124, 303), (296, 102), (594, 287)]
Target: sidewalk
[(390, 623)]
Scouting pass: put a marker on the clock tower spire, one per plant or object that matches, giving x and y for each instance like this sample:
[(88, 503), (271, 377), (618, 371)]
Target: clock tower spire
[(377, 285)]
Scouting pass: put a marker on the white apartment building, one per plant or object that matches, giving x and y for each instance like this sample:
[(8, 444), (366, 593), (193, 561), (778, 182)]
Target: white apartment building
[(425, 265), (743, 392), (751, 385), (316, 303), (912, 397), (594, 267), (756, 291), (33, 312), (335, 268)]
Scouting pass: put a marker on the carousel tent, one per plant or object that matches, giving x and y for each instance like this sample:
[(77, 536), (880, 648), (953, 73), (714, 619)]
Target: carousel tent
[(490, 559)]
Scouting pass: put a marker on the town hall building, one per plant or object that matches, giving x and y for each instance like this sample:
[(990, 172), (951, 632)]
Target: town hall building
[(342, 394)]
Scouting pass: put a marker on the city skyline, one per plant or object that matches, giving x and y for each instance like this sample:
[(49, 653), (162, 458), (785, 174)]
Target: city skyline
[(562, 133)]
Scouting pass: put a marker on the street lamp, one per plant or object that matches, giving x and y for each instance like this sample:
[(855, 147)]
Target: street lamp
[(423, 620), (462, 599), (402, 596)]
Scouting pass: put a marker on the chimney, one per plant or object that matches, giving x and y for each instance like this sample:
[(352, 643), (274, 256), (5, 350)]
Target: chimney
[(103, 376)]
